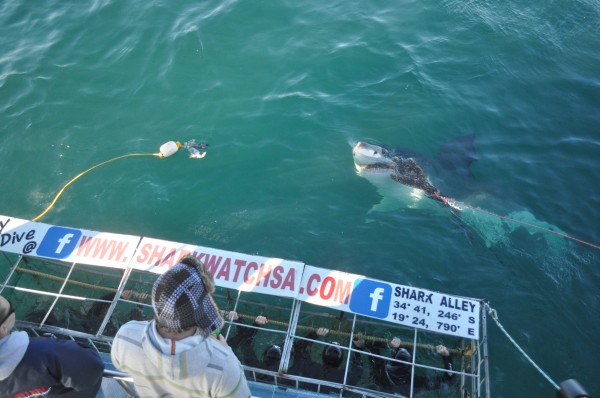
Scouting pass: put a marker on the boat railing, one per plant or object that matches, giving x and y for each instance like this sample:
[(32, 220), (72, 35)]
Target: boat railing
[(280, 382), (88, 303)]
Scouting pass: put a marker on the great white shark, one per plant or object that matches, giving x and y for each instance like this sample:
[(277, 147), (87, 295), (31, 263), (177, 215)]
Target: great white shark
[(375, 159), (402, 179), (386, 167)]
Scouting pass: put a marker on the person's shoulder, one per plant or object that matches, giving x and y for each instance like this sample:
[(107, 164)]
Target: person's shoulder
[(135, 324), (51, 347), (41, 344), (133, 327), (131, 332), (220, 353)]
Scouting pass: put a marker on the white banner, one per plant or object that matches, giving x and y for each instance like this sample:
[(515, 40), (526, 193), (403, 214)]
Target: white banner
[(405, 305), (327, 288), (239, 271), (66, 244)]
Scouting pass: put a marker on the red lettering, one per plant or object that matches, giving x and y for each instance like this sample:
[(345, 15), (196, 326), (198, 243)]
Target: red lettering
[(264, 272), (144, 253), (212, 263), (84, 244), (118, 251), (169, 260), (309, 290), (101, 248), (288, 283), (247, 278), (199, 257), (342, 291), (239, 264), (276, 280), (327, 281), (157, 254), (224, 272)]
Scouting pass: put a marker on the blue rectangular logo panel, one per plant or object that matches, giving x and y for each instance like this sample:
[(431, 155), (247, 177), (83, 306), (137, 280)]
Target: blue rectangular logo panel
[(59, 242), (371, 298)]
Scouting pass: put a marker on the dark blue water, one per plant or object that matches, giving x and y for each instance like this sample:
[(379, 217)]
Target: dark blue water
[(281, 90)]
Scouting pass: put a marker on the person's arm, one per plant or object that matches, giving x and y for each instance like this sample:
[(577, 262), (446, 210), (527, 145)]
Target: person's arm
[(301, 348), (115, 352), (376, 348), (437, 382), (359, 344), (79, 365), (242, 333), (233, 382), (251, 359), (447, 358)]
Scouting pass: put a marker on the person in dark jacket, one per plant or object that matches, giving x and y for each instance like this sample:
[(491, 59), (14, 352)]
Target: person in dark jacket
[(242, 344), (302, 363), (328, 368), (395, 377), (45, 366)]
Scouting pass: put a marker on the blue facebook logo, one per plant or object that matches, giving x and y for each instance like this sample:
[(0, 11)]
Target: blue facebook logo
[(59, 242), (371, 298)]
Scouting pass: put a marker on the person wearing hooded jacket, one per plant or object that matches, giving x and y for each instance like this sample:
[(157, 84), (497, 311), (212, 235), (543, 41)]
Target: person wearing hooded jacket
[(180, 353), (45, 366)]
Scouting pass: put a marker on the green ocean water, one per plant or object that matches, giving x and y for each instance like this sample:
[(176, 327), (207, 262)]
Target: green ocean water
[(281, 90)]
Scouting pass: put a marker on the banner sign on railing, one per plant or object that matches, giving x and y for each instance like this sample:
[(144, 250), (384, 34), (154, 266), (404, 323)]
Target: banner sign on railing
[(404, 305), (66, 244), (239, 271)]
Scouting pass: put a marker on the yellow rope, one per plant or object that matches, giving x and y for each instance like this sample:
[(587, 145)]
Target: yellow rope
[(88, 170)]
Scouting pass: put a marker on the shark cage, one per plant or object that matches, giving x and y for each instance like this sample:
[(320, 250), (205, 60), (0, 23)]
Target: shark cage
[(385, 338)]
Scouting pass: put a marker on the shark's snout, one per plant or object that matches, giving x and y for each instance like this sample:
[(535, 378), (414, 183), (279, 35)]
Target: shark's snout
[(367, 154), (357, 147)]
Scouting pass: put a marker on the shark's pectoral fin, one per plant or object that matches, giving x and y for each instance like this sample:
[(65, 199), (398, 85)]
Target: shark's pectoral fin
[(387, 204)]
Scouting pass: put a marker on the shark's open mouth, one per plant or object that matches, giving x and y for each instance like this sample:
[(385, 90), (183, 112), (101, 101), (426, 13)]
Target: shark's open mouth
[(370, 158)]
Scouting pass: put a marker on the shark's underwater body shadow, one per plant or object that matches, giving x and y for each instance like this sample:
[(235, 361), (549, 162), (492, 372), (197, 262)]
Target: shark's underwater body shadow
[(406, 179)]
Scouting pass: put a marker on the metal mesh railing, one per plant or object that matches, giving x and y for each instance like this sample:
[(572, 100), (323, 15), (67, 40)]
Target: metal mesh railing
[(90, 303)]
